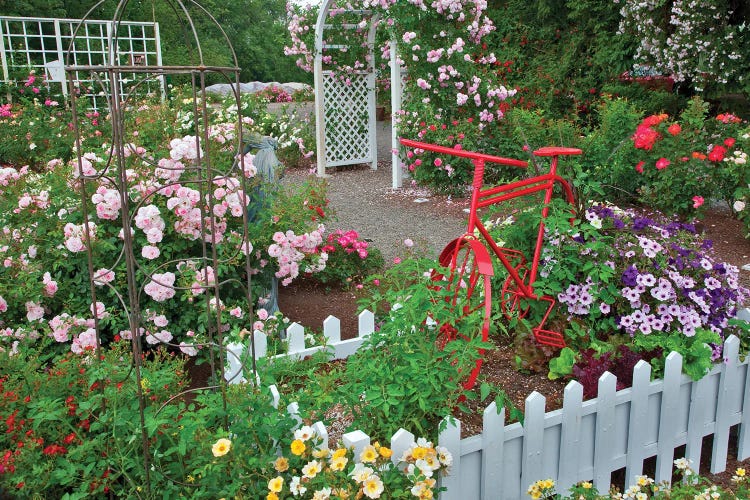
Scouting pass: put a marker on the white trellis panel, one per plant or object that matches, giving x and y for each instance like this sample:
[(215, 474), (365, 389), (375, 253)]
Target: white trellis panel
[(349, 123), (42, 44)]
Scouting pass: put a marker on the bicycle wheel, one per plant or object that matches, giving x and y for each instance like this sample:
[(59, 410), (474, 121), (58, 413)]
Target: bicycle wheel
[(467, 288)]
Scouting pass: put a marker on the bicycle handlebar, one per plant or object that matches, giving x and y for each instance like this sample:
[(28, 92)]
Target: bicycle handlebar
[(462, 153)]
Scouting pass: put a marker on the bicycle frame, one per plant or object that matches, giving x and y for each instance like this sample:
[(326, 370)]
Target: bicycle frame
[(481, 198)]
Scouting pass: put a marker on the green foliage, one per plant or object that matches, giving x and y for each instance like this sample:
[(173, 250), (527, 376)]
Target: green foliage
[(562, 365), (73, 426), (401, 377), (697, 351)]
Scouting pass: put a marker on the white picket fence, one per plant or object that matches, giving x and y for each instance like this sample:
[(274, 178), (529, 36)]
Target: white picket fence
[(585, 440)]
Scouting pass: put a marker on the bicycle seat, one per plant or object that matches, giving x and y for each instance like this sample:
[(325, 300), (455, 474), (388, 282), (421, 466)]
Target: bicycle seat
[(557, 151)]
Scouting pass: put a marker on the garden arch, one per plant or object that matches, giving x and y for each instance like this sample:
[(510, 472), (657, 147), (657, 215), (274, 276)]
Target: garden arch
[(345, 107)]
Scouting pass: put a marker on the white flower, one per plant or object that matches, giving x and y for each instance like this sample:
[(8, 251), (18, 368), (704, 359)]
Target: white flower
[(296, 488), (304, 433), (739, 206), (361, 473), (372, 487), (311, 469)]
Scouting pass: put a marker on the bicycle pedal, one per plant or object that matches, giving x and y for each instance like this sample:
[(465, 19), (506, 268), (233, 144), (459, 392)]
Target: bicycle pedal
[(550, 338)]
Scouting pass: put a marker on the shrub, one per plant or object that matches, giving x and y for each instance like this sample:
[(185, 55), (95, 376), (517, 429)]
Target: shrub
[(73, 425), (350, 259), (405, 375), (681, 163)]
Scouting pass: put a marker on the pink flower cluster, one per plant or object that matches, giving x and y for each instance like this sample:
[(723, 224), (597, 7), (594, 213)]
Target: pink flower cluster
[(32, 201), (107, 202), (149, 220), (290, 249), (75, 235), (161, 287), (186, 148), (62, 324)]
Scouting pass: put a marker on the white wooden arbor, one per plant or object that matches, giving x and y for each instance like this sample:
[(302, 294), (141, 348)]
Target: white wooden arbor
[(345, 104)]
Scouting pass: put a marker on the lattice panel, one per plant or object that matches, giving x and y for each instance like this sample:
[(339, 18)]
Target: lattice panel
[(42, 44), (347, 119)]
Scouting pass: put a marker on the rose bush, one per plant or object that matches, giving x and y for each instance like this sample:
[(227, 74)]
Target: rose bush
[(174, 213)]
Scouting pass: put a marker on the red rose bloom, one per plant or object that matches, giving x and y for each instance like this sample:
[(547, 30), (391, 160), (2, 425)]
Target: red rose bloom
[(717, 153), (662, 163)]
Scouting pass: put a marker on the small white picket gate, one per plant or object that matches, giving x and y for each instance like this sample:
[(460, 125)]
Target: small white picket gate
[(584, 440)]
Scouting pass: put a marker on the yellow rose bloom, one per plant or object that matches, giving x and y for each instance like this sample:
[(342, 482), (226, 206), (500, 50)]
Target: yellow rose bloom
[(272, 496), (740, 472), (418, 453), (322, 453), (339, 463), (281, 464), (276, 484), (368, 455), (339, 453), (298, 447), (586, 485), (221, 447), (385, 452)]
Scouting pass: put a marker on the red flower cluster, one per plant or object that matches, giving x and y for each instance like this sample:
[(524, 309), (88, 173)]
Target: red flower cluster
[(348, 241), (645, 136)]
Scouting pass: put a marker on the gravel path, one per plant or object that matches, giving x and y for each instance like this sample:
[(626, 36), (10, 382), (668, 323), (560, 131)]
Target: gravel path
[(363, 200)]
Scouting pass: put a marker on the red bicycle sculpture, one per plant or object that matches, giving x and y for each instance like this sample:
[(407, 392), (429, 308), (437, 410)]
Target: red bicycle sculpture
[(469, 260)]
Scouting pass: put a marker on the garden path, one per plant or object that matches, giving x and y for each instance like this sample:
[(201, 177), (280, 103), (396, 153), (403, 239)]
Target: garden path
[(363, 199)]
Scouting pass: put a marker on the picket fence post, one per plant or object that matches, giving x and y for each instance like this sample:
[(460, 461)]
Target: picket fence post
[(450, 438), (728, 385), (493, 424), (570, 438), (637, 434), (533, 439), (605, 430)]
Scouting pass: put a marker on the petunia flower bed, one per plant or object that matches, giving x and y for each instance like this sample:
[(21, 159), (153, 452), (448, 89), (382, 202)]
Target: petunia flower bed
[(623, 277)]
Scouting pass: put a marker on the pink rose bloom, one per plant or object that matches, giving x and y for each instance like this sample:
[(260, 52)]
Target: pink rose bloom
[(150, 252), (50, 289), (236, 312), (75, 244), (258, 325), (154, 235), (103, 276), (3, 304), (163, 336), (84, 342), (188, 349), (697, 201), (408, 243), (160, 321), (34, 311), (262, 314), (98, 310)]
